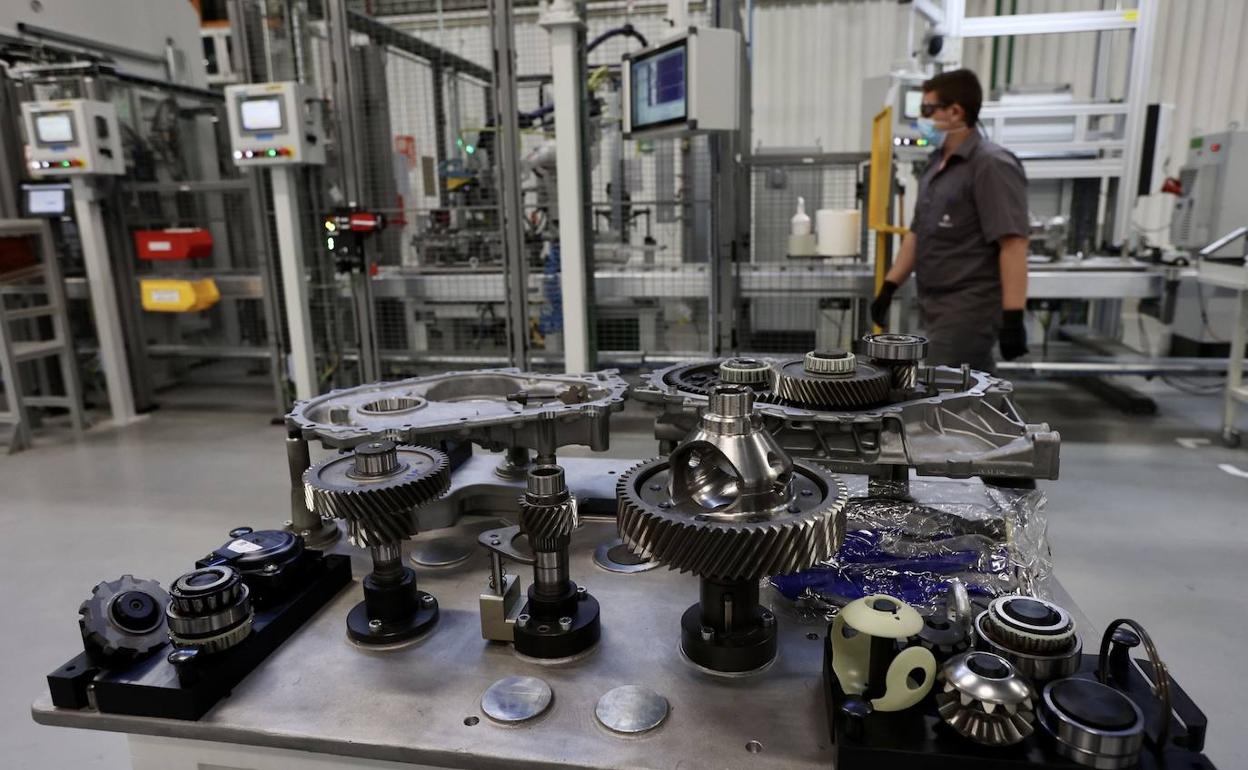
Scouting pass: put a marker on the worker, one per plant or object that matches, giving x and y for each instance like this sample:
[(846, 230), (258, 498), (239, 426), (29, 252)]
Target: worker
[(967, 243)]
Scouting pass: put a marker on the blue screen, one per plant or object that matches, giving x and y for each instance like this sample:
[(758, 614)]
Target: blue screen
[(658, 83)]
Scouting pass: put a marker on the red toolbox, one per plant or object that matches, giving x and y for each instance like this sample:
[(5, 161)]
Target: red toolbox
[(173, 243)]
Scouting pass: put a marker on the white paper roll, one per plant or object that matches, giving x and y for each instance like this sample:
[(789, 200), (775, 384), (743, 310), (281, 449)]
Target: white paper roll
[(837, 230)]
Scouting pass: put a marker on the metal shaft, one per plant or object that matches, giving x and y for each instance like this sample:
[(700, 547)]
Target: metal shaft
[(387, 562), (728, 605), (550, 572)]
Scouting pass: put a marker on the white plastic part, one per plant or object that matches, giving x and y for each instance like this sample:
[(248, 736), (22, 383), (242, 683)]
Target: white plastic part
[(851, 653), (837, 231)]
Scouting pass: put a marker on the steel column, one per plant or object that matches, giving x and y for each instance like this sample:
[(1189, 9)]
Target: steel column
[(515, 266)]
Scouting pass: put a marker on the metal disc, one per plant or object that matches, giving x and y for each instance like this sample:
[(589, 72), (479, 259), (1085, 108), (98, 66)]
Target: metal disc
[(614, 556), (631, 709), (441, 551), (516, 698)]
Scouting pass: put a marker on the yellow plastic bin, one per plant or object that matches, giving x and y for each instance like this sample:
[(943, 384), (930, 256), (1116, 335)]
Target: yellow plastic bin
[(169, 295)]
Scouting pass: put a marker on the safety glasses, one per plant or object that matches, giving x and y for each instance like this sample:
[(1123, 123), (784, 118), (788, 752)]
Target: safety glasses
[(928, 109)]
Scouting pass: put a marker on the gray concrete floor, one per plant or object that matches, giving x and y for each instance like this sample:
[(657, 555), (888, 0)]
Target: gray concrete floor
[(1140, 527)]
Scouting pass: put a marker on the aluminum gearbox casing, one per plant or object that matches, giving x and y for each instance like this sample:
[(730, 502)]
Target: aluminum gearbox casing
[(494, 408), (956, 424)]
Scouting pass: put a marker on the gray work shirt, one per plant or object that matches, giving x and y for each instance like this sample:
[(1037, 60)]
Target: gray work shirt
[(963, 210)]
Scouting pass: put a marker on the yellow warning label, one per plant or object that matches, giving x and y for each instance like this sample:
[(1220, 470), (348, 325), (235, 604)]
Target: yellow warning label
[(1131, 15)]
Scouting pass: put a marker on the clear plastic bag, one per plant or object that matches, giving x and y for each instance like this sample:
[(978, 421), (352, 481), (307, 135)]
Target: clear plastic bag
[(994, 539)]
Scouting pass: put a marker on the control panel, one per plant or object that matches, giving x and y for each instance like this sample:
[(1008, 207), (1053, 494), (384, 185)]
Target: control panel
[(72, 137), (688, 84), (275, 124)]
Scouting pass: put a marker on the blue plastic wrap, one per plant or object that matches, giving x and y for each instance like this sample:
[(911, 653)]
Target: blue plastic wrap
[(993, 539)]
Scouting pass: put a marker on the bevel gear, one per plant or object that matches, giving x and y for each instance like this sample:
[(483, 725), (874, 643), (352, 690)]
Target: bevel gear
[(985, 699), (794, 382), (377, 488), (124, 618)]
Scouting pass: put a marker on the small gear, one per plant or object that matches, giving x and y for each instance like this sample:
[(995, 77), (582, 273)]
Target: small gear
[(829, 362), (943, 637), (700, 378), (867, 385), (685, 537), (124, 618), (745, 371), (547, 510), (377, 488), (986, 700)]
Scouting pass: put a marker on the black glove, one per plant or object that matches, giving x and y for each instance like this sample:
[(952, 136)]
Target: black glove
[(879, 308), (1013, 335)]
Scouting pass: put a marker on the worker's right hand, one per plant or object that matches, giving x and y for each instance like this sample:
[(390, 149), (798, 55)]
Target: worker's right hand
[(879, 308)]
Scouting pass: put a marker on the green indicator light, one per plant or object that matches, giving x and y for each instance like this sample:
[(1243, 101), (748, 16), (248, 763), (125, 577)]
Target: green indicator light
[(272, 153), (470, 149), (64, 164), (459, 142)]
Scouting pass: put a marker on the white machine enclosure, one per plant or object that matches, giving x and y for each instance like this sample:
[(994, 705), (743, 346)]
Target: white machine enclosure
[(72, 137), (713, 62), (275, 124), (1214, 200)]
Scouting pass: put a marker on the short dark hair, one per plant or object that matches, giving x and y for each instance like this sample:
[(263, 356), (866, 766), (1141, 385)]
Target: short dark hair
[(958, 87)]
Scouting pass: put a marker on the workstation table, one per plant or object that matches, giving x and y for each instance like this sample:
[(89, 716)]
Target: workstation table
[(319, 701)]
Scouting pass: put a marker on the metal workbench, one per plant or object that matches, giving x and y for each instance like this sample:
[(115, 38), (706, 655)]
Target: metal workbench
[(320, 695)]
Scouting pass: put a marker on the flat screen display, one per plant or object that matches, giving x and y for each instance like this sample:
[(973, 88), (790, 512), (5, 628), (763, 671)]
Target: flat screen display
[(54, 128), (262, 114), (659, 87), (45, 200), (911, 103)]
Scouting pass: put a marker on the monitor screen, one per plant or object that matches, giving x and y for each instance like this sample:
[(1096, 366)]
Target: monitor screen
[(45, 200), (261, 114), (54, 128), (911, 100), (658, 83)]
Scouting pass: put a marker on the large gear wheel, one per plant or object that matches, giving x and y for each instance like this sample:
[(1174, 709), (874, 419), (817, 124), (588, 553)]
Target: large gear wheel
[(798, 382), (124, 618), (377, 489), (686, 537)]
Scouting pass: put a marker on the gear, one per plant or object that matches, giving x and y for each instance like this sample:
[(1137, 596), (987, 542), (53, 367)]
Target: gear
[(699, 379), (689, 538), (547, 510), (745, 371), (124, 618), (986, 700), (866, 385), (377, 489)]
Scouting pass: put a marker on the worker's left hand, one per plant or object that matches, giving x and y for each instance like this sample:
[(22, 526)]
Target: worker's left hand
[(1013, 335)]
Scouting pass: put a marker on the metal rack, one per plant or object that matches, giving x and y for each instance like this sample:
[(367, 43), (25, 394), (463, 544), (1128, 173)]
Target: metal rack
[(32, 305)]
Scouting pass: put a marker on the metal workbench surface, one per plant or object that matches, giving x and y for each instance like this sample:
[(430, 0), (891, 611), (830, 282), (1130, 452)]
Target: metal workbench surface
[(320, 693)]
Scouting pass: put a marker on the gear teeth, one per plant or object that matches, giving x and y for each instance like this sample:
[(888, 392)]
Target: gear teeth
[(547, 526), (730, 550), (381, 511), (867, 386), (102, 636)]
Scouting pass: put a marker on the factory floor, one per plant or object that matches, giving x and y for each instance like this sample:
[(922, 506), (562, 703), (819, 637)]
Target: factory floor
[(1141, 527)]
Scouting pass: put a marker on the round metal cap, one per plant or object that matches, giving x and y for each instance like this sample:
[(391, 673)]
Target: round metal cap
[(830, 362), (899, 348), (631, 709), (515, 699)]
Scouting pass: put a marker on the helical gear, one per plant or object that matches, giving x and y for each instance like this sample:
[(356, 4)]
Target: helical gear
[(867, 385), (112, 631), (548, 512), (750, 548), (984, 699), (379, 506)]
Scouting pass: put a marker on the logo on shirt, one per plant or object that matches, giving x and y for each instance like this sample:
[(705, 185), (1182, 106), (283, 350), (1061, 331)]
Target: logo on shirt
[(945, 221)]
